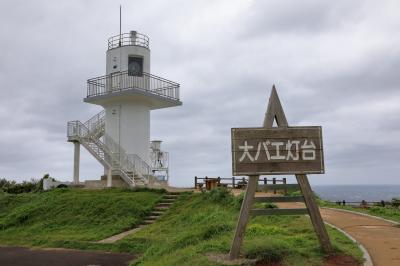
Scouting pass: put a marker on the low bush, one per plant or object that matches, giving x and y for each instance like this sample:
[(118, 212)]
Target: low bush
[(396, 202), (11, 187)]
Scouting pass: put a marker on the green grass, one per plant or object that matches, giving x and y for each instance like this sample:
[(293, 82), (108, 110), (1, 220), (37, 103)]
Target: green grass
[(391, 213), (64, 216), (199, 225), (196, 225)]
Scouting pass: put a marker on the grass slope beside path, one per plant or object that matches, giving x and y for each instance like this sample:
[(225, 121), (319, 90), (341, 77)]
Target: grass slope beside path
[(66, 217), (201, 224), (195, 226), (390, 213)]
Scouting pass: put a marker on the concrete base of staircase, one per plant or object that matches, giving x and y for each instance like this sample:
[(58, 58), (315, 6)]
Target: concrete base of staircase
[(102, 183), (166, 202)]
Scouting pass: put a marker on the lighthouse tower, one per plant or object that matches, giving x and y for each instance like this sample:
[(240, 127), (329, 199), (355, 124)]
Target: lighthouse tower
[(119, 136)]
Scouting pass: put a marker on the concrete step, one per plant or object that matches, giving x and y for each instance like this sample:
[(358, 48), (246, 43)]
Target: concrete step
[(168, 200), (174, 193), (148, 222), (171, 195), (156, 213), (162, 204), (152, 217), (161, 208)]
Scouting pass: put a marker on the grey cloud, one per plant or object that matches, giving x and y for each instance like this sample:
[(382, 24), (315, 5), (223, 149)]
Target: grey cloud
[(335, 64)]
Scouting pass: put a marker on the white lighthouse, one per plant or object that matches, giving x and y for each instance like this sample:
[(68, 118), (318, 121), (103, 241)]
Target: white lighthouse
[(119, 136)]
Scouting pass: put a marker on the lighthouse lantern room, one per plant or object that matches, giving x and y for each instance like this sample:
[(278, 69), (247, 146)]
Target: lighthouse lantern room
[(119, 136)]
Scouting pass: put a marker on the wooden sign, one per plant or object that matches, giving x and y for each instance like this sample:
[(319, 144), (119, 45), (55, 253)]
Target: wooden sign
[(279, 150), (285, 150)]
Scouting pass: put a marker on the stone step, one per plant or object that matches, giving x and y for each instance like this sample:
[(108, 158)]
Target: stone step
[(152, 217)]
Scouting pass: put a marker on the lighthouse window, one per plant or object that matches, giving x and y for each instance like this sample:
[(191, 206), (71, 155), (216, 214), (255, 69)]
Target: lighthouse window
[(135, 66)]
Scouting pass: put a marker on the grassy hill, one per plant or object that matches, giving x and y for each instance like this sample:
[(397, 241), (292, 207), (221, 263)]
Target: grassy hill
[(196, 226), (60, 216)]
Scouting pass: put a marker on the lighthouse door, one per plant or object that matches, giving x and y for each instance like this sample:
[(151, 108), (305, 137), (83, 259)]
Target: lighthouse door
[(135, 72), (135, 66)]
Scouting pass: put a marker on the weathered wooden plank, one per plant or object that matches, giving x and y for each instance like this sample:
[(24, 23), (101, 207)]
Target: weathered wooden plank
[(280, 199), (278, 186), (262, 158), (256, 212), (253, 152), (279, 169), (243, 216), (276, 133), (315, 215)]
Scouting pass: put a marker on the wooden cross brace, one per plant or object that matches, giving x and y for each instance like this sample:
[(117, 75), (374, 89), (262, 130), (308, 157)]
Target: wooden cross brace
[(275, 112)]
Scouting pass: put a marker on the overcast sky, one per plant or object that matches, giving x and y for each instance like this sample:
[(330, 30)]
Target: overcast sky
[(334, 63)]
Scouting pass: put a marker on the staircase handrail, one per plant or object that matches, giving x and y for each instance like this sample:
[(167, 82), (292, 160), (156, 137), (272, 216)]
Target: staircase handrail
[(128, 162), (112, 153), (95, 121)]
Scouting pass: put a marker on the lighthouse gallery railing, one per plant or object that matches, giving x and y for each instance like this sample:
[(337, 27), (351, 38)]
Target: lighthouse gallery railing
[(122, 81)]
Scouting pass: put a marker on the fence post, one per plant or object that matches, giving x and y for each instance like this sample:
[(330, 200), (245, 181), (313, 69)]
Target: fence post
[(284, 182), (274, 182), (233, 182), (195, 182)]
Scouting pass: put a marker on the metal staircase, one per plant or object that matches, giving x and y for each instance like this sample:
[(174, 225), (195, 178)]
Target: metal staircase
[(91, 135)]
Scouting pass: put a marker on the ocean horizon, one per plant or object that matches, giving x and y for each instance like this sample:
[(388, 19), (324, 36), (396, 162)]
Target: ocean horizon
[(357, 193)]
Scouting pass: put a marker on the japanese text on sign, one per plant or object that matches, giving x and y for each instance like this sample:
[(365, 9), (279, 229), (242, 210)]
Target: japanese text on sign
[(275, 148), (289, 150)]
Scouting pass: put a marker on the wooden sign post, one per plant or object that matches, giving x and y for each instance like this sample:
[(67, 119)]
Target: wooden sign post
[(278, 150)]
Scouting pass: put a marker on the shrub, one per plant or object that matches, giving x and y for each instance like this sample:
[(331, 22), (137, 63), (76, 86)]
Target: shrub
[(396, 202), (219, 195), (5, 184), (34, 185)]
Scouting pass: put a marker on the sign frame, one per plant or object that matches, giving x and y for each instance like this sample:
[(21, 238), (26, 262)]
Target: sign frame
[(275, 113)]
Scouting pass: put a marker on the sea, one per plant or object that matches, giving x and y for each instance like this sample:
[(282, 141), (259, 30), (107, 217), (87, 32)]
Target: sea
[(357, 193)]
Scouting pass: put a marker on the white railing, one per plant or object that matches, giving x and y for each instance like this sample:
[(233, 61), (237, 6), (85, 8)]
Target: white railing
[(110, 153), (96, 123), (123, 81), (130, 163)]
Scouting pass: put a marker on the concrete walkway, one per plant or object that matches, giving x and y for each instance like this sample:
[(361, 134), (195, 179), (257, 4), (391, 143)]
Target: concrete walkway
[(16, 256), (380, 238)]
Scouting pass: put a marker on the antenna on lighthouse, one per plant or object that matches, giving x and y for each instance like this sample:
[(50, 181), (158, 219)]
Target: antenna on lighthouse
[(120, 15)]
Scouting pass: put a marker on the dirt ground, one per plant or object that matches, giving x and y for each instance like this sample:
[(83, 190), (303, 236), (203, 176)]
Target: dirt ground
[(16, 256), (380, 238), (340, 261)]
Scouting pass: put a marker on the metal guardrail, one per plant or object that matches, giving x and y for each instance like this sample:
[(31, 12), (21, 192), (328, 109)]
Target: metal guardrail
[(122, 81), (131, 38)]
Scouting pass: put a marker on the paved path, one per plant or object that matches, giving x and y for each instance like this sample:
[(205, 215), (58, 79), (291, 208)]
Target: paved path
[(15, 256), (380, 238)]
